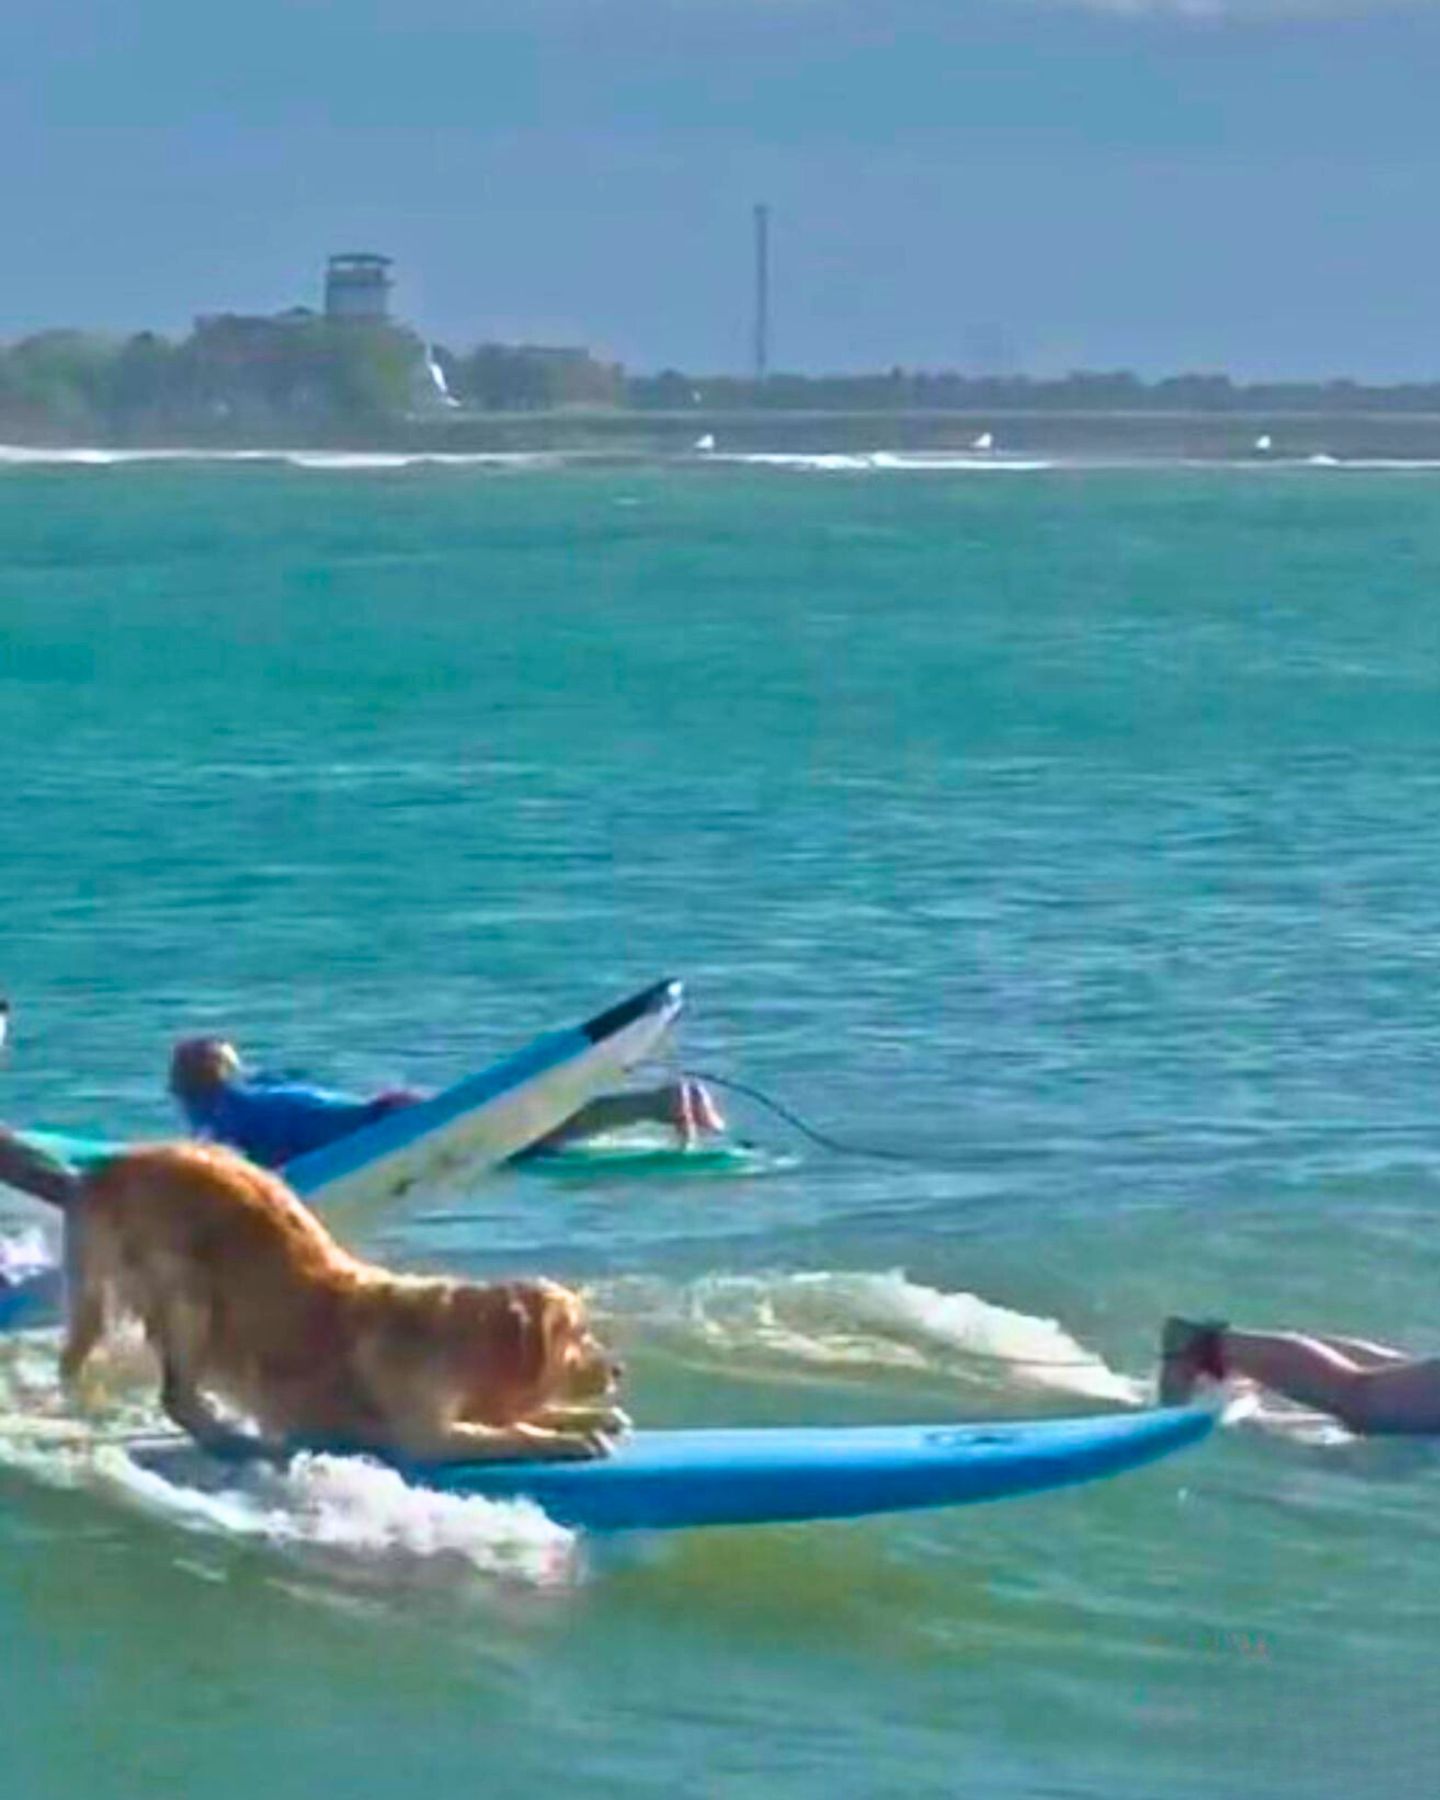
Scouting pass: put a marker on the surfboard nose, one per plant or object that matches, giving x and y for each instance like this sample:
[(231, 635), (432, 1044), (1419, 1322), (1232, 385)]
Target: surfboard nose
[(661, 996)]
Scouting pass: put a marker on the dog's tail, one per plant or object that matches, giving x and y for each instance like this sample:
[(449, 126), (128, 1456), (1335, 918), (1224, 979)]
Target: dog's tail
[(30, 1170)]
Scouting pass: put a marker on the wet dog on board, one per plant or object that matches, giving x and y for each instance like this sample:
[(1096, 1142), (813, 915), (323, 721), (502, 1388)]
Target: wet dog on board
[(251, 1305)]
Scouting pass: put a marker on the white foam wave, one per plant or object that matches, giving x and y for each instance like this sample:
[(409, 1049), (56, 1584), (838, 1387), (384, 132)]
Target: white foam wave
[(1399, 464), (820, 460), (353, 1507), (25, 1253), (346, 460), (326, 1507), (975, 460), (1273, 464), (57, 456), (888, 461), (854, 1321), (930, 461), (51, 456)]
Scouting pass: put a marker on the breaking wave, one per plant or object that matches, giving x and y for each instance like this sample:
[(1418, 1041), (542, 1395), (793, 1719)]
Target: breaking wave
[(854, 1322)]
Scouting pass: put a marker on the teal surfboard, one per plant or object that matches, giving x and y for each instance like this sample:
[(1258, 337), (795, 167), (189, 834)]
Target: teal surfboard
[(669, 1480), (587, 1160), (73, 1147), (600, 1159)]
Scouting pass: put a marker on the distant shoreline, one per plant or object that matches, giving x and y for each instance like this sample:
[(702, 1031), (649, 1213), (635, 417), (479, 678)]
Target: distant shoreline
[(372, 385), (1072, 433)]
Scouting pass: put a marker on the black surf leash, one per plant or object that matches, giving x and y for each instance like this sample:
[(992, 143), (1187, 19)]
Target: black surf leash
[(839, 1146)]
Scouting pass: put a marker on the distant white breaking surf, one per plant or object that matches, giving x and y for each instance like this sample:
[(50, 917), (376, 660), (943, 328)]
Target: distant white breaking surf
[(24, 456)]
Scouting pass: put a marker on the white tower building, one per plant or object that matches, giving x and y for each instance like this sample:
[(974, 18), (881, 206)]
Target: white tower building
[(357, 286)]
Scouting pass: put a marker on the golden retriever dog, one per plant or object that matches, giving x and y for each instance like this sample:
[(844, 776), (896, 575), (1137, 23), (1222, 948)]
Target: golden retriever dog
[(248, 1301)]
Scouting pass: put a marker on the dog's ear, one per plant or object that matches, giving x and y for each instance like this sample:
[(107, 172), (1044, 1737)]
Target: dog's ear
[(527, 1334), (504, 1329), (513, 1339), (559, 1315)]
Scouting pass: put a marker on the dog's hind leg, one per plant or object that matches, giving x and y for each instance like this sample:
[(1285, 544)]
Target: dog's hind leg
[(85, 1326), (86, 1296)]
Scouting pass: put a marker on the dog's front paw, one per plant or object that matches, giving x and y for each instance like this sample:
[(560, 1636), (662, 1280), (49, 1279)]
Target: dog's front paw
[(579, 1443), (583, 1446), (552, 1443)]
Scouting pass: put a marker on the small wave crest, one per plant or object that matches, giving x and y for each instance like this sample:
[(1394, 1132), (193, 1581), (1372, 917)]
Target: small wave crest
[(359, 460), (884, 461), (849, 1322), (933, 461), (23, 456)]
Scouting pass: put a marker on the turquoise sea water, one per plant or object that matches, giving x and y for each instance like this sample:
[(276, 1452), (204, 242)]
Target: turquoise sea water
[(1075, 831)]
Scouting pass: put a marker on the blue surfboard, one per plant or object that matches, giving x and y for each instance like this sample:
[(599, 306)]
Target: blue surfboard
[(669, 1480)]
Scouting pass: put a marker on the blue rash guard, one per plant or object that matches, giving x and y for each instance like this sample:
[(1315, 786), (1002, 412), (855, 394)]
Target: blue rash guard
[(273, 1121)]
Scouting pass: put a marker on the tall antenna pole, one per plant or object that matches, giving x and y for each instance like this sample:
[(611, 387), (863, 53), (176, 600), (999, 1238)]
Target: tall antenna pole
[(762, 292)]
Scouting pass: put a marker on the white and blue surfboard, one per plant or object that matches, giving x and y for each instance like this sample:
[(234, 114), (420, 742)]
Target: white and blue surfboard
[(670, 1480), (477, 1122), (493, 1115)]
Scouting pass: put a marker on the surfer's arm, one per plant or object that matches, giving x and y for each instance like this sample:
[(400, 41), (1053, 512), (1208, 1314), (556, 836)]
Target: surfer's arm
[(31, 1171)]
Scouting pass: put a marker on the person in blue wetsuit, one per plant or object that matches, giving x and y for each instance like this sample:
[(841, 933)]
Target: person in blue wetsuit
[(272, 1120)]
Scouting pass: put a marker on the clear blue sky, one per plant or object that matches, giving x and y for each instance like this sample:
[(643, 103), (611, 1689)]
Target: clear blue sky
[(1250, 184)]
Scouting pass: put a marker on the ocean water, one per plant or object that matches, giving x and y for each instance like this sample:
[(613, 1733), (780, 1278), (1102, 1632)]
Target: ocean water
[(1072, 832)]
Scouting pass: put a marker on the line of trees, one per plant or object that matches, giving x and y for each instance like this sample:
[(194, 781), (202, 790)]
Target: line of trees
[(249, 378), (255, 378), (230, 375)]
